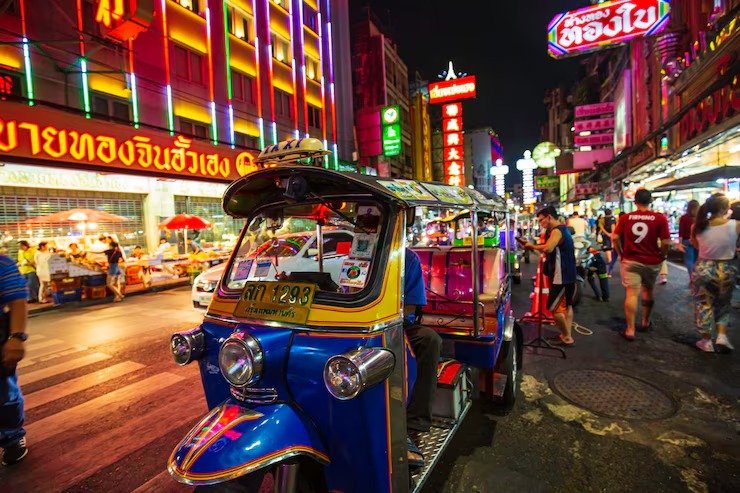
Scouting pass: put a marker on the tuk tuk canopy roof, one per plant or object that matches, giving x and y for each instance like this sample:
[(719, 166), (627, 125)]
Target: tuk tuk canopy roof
[(268, 186)]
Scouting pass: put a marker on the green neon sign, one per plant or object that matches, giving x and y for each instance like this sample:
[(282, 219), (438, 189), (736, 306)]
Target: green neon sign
[(390, 118)]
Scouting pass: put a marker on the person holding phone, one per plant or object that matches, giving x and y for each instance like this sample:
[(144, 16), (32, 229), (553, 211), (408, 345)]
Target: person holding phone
[(13, 316)]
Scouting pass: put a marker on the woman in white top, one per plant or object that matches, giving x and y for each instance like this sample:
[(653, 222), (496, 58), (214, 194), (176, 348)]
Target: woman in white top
[(41, 259), (715, 236)]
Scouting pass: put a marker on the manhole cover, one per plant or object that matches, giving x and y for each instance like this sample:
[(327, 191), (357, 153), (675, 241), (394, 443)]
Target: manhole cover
[(614, 395)]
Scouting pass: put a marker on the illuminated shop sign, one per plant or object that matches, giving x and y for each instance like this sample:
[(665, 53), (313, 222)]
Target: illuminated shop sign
[(714, 109), (123, 19), (605, 24), (70, 139), (452, 139), (452, 90), (390, 117)]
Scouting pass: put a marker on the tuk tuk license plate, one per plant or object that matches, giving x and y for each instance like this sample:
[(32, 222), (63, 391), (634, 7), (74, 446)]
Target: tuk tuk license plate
[(276, 301)]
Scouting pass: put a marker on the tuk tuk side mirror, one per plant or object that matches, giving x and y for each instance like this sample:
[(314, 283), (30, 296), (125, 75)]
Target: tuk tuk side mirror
[(312, 252)]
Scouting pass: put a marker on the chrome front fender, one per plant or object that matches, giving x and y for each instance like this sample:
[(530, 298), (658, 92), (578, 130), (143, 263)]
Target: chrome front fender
[(232, 441)]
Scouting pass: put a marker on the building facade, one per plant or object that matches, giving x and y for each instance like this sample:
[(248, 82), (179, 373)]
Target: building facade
[(478, 158), (154, 105), (421, 137), (380, 79)]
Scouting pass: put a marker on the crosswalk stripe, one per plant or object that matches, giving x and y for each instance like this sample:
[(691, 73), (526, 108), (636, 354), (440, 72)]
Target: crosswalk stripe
[(37, 375), (38, 345), (75, 385), (160, 483), (67, 350), (103, 405), (106, 448)]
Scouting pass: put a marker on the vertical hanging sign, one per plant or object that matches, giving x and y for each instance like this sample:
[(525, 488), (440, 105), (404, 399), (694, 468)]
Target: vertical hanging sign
[(390, 117)]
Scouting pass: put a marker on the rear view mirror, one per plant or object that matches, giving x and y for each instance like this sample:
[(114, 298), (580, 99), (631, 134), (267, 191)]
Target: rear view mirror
[(312, 252)]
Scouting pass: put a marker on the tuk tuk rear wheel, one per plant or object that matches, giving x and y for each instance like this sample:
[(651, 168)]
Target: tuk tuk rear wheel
[(510, 366)]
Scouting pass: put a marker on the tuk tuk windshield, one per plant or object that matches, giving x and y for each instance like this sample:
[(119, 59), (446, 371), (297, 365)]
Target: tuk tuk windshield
[(282, 244)]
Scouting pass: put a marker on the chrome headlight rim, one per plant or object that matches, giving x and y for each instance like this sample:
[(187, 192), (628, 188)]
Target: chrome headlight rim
[(192, 344), (371, 364), (252, 349)]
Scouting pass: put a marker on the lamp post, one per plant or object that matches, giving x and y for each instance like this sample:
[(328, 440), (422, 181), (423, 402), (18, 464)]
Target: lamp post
[(527, 167), (499, 172)]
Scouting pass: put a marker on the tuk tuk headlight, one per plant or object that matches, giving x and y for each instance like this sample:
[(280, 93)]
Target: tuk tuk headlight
[(240, 359), (187, 346), (348, 374)]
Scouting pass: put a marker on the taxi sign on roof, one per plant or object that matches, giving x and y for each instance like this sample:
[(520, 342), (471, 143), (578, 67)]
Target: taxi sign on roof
[(294, 149)]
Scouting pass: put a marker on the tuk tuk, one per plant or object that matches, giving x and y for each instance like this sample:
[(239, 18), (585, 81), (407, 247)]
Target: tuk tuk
[(302, 353)]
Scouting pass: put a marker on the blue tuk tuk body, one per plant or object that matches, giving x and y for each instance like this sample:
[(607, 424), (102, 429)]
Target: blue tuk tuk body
[(291, 423)]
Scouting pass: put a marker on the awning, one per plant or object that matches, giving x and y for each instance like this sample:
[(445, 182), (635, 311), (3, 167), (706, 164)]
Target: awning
[(705, 179)]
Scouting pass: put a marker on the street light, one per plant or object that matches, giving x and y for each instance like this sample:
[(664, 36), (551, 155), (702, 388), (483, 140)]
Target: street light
[(499, 171), (527, 167)]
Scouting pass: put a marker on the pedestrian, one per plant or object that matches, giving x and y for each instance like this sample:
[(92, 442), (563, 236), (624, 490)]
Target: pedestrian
[(560, 267), (606, 228), (41, 258), (27, 268), (642, 239), (194, 246), (596, 267), (578, 224), (715, 237), (684, 236), (13, 295), (115, 259), (663, 276)]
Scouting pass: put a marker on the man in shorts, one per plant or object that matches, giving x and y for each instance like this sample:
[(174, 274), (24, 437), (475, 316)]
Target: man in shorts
[(560, 267), (642, 239)]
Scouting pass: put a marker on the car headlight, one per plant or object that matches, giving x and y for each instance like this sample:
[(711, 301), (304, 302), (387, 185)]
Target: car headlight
[(187, 346), (348, 374), (240, 359)]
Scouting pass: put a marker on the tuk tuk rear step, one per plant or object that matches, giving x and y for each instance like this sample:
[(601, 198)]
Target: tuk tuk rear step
[(433, 443)]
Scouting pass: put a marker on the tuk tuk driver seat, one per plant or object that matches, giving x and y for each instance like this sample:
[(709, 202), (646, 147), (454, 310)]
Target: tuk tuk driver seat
[(426, 344)]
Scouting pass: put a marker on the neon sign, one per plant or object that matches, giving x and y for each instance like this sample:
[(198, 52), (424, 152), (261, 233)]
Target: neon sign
[(123, 20), (108, 11), (390, 117), (605, 24), (452, 140), (69, 139), (452, 90)]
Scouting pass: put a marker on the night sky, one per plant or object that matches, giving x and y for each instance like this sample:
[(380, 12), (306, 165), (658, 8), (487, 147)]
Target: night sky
[(502, 42)]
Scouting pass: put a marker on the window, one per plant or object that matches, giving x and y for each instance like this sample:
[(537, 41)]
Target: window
[(240, 24), (244, 140), (314, 117), (310, 18), (89, 24), (109, 107), (188, 65), (10, 86), (312, 69), (243, 87), (194, 129), (283, 106), (192, 5), (280, 49)]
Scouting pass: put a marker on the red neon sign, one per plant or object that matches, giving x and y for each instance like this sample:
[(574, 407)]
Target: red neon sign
[(452, 90), (599, 26), (123, 20)]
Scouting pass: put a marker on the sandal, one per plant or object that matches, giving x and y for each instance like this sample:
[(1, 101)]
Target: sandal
[(413, 449), (629, 337), (562, 343), (645, 328)]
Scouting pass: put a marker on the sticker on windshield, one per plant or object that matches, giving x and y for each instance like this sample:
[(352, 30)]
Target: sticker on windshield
[(354, 273), (363, 246), (242, 270), (263, 268), (407, 190), (368, 219)]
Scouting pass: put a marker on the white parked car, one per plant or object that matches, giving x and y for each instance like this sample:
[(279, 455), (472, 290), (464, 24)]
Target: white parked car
[(293, 252)]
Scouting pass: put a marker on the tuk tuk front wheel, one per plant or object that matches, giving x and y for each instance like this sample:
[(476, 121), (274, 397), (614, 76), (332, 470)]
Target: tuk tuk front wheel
[(288, 477)]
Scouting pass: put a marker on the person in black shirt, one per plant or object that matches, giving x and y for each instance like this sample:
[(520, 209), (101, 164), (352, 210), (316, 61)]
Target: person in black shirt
[(115, 259), (596, 267)]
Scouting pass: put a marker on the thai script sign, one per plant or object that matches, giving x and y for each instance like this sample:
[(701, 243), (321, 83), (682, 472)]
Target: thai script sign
[(585, 189), (546, 181), (597, 109), (390, 118), (87, 144), (603, 25), (724, 103), (452, 90), (122, 20)]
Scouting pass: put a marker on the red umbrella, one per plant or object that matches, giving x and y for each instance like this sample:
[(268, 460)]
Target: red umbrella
[(185, 221), (77, 216)]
